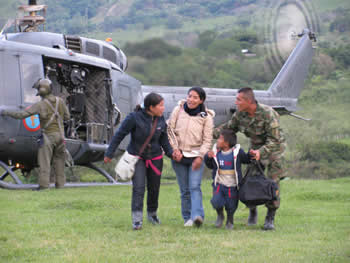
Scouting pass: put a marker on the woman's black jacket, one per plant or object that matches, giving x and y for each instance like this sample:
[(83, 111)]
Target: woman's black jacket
[(139, 124)]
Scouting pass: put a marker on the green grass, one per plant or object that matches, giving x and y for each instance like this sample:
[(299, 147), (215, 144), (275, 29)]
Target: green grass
[(93, 225), (346, 141)]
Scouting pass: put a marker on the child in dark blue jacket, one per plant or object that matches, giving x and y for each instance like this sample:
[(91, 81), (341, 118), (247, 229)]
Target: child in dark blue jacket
[(225, 160)]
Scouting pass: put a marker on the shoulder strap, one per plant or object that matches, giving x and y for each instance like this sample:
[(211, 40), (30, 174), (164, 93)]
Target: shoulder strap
[(257, 163), (55, 114), (154, 126)]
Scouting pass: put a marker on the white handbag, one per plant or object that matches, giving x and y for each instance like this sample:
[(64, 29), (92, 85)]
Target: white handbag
[(125, 167)]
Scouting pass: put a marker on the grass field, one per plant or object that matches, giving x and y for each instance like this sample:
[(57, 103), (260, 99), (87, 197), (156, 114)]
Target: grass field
[(93, 225)]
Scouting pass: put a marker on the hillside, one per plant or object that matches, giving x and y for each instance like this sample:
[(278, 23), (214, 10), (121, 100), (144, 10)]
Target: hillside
[(178, 21), (131, 20)]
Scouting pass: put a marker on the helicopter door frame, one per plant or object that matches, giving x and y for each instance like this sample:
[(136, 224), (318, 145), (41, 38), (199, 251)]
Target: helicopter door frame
[(31, 66), (10, 85), (10, 78)]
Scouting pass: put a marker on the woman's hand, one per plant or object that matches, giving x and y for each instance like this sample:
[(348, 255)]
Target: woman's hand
[(196, 164), (107, 159), (211, 154)]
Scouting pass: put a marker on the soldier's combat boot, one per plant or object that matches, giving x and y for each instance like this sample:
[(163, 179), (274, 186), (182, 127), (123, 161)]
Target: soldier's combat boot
[(253, 216), (269, 220), (220, 219), (229, 222), (40, 188)]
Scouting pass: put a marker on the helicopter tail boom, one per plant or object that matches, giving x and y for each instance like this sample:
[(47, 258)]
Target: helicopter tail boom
[(289, 82)]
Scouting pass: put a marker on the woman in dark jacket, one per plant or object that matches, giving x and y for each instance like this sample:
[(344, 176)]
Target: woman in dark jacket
[(139, 124)]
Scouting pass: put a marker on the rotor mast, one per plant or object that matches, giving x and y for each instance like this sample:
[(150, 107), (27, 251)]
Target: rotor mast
[(35, 18)]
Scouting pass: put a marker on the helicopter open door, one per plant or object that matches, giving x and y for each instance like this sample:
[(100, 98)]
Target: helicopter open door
[(10, 98)]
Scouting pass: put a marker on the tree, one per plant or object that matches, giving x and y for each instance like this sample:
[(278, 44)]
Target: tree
[(341, 55), (206, 38), (152, 49), (221, 48), (76, 26)]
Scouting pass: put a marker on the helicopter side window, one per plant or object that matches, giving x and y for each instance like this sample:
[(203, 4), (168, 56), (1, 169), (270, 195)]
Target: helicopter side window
[(31, 71)]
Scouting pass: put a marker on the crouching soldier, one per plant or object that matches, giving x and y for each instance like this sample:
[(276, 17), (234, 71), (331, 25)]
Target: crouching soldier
[(260, 123), (52, 112)]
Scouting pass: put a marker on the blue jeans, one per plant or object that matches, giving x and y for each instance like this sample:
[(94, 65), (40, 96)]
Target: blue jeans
[(190, 188)]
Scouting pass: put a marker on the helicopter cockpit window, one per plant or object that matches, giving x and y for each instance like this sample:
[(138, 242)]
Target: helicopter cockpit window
[(92, 48), (109, 54), (30, 73)]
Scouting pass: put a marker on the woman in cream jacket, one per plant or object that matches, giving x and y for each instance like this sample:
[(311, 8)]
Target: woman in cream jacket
[(190, 131)]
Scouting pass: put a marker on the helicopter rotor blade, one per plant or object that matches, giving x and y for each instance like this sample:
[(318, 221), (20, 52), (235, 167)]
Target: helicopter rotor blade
[(8, 24)]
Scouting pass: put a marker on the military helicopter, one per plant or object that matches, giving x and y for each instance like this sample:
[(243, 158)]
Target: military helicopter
[(90, 75)]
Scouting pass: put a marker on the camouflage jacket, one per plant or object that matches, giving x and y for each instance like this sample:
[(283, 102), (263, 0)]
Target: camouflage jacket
[(45, 112), (263, 130)]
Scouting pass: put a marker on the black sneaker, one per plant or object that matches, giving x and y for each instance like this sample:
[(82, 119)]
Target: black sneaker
[(229, 226), (198, 221), (137, 226), (219, 221), (154, 220)]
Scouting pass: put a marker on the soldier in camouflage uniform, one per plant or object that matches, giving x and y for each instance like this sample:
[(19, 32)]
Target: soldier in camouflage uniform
[(261, 124), (52, 111)]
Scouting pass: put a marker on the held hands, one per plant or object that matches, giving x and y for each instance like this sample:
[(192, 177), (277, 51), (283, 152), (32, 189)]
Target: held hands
[(211, 154), (255, 154), (107, 159), (177, 155), (196, 164)]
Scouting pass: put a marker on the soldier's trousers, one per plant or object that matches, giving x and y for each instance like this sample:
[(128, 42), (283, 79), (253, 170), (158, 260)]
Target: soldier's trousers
[(51, 155)]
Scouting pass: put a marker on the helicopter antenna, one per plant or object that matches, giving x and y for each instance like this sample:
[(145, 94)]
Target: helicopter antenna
[(34, 18)]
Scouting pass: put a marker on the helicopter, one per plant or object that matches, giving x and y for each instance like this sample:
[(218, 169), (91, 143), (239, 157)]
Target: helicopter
[(90, 76)]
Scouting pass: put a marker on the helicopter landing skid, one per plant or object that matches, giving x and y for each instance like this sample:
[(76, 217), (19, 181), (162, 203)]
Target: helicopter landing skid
[(9, 171), (19, 185)]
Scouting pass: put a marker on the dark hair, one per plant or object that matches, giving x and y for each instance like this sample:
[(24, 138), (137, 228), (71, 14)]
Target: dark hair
[(200, 92), (248, 93), (152, 99), (229, 137)]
